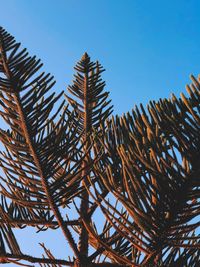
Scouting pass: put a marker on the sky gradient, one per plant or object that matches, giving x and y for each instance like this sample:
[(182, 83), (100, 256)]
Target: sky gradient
[(148, 48)]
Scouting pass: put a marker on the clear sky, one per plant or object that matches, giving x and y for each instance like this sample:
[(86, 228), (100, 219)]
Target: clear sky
[(148, 48)]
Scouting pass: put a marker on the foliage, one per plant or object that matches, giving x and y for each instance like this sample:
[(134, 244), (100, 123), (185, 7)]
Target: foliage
[(139, 171)]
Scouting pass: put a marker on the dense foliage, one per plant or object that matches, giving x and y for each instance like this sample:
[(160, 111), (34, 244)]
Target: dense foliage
[(65, 161)]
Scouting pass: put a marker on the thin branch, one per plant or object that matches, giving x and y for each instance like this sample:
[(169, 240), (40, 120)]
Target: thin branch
[(16, 222), (31, 259), (35, 259)]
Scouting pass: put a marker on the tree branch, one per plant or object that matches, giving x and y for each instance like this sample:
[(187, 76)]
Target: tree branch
[(16, 222), (31, 259)]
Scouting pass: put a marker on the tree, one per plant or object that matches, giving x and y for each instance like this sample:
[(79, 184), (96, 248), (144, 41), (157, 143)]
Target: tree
[(141, 170)]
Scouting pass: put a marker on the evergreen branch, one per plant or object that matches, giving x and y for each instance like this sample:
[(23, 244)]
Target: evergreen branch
[(16, 80)]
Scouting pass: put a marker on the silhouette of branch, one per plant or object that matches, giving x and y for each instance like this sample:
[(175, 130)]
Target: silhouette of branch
[(16, 222)]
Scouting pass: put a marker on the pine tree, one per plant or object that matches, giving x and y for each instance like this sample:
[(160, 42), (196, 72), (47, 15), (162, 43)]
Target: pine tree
[(139, 171)]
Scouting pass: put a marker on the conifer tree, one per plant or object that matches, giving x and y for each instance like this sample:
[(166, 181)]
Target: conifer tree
[(65, 151)]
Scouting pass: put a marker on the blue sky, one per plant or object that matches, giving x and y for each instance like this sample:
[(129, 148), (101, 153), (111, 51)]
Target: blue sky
[(148, 48)]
